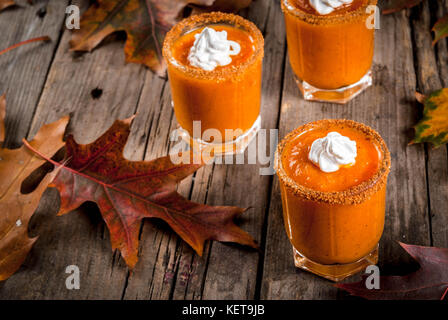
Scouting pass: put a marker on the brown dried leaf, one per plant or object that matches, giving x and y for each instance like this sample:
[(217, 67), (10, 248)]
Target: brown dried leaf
[(145, 22), (6, 3), (224, 6), (17, 208)]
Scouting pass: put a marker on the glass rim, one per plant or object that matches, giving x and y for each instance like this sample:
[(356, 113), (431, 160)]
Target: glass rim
[(353, 195), (203, 19), (288, 7)]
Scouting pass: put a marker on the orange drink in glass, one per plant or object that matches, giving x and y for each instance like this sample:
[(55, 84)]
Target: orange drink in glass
[(334, 220), (224, 100), (330, 54)]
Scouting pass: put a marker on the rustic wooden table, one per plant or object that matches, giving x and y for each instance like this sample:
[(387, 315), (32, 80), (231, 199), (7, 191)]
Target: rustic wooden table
[(45, 81)]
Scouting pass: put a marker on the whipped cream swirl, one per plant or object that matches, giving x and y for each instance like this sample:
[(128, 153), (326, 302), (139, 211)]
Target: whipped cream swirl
[(211, 49), (328, 6), (332, 152)]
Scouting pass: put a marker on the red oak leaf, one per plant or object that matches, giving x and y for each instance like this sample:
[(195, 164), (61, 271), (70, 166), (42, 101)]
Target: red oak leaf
[(128, 191), (429, 282)]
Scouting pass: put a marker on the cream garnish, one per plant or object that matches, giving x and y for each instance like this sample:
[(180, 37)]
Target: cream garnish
[(328, 6), (332, 152), (211, 49)]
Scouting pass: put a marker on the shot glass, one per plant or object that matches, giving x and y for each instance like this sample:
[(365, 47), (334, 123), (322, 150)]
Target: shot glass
[(219, 110), (333, 233), (331, 55)]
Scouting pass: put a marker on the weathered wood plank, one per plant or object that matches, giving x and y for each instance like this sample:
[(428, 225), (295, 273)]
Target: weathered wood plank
[(429, 79), (24, 70), (174, 270), (235, 276), (442, 46), (81, 238), (157, 127), (153, 274), (168, 268), (388, 107)]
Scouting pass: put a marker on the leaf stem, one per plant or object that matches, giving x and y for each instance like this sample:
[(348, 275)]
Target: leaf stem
[(165, 213), (44, 38), (27, 144)]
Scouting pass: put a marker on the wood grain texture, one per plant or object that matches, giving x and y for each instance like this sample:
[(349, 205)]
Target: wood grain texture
[(79, 238), (387, 107), (24, 70), (45, 81), (430, 78), (235, 276), (177, 272)]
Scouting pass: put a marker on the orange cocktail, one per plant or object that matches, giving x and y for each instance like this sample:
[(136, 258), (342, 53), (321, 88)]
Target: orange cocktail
[(331, 54), (334, 218), (216, 102)]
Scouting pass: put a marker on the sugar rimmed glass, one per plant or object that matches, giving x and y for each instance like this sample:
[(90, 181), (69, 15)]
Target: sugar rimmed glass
[(331, 55), (227, 98), (334, 234)]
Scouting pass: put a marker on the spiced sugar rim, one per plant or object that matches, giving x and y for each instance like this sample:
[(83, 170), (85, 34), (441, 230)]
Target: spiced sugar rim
[(289, 8), (353, 195), (205, 19)]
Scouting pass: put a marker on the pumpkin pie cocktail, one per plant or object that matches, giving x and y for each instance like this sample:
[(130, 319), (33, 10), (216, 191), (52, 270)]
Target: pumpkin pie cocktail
[(330, 46), (333, 176), (214, 67)]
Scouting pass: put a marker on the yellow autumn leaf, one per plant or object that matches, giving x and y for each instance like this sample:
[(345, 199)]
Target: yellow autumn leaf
[(433, 127)]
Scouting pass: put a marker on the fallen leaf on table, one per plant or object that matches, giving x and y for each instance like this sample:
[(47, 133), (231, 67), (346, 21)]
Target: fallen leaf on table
[(6, 3), (429, 282), (433, 127), (391, 6), (420, 97), (145, 22), (17, 208), (440, 29), (128, 191)]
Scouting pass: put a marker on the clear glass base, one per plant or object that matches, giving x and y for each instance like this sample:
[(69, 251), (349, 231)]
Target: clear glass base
[(335, 272), (236, 146), (341, 95)]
